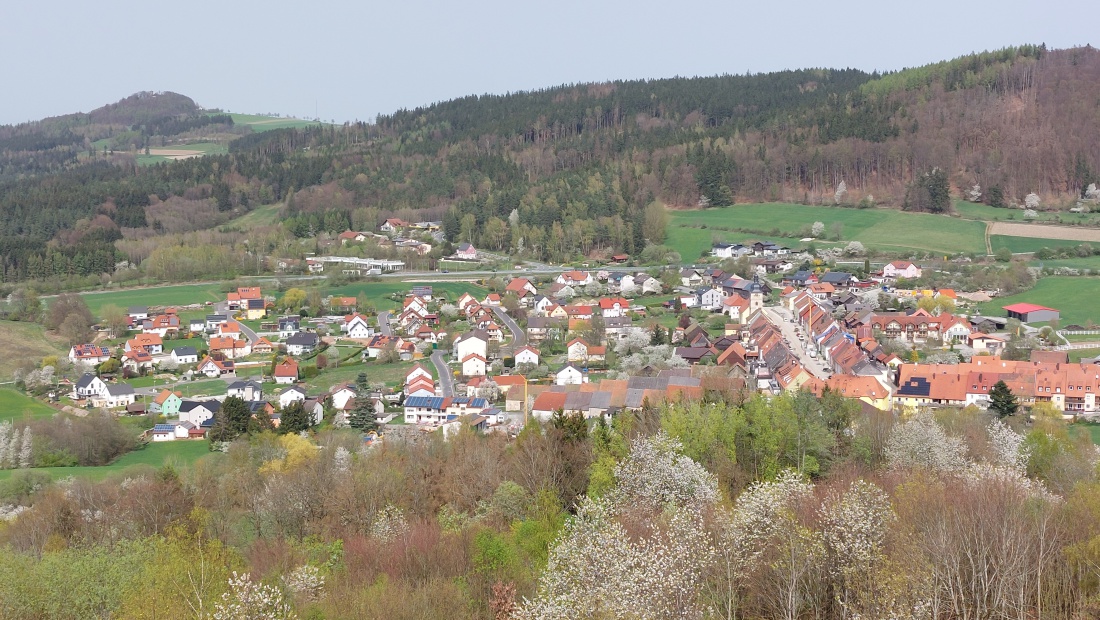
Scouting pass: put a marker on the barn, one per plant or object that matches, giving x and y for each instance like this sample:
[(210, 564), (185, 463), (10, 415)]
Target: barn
[(1031, 313)]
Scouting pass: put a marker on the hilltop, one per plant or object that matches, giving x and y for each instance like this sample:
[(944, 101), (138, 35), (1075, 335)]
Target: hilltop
[(554, 173)]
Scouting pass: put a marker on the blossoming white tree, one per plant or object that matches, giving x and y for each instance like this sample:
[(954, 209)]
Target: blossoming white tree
[(656, 474), (841, 192), (1031, 201), (975, 193), (818, 229), (922, 443), (1008, 446), (247, 600)]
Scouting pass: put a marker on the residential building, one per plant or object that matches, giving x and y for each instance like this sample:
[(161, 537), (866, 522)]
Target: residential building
[(357, 326), (475, 341), (291, 395), (466, 251), (286, 371), (89, 354), (185, 355), (152, 343), (570, 375), (215, 367), (473, 365), (437, 410), (167, 403), (302, 343), (527, 355), (246, 390), (197, 412), (901, 269), (87, 386)]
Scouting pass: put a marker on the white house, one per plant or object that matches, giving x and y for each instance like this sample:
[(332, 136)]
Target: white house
[(214, 368), (712, 298), (291, 395), (901, 269), (138, 313), (691, 277), (356, 326), (302, 343), (527, 355), (288, 326), (286, 372), (614, 307), (88, 386), (185, 355), (417, 371), (246, 390), (115, 395), (575, 278), (466, 251), (476, 341), (728, 250), (89, 353), (570, 375), (197, 412), (473, 365)]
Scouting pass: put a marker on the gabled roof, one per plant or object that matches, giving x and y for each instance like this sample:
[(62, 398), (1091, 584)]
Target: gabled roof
[(184, 351), (287, 368), (1024, 308), (303, 338)]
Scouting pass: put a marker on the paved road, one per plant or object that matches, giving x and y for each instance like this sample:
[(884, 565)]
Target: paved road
[(223, 308), (519, 337), (446, 379), (384, 324), (780, 317)]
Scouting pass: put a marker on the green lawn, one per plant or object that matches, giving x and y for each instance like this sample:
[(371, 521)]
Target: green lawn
[(1017, 245), (692, 243), (23, 343), (378, 292), (885, 229), (267, 215), (1091, 428), (17, 406), (987, 213), (390, 374), (1088, 262), (259, 122), (148, 160), (179, 454), (1075, 355), (1078, 298), (159, 296)]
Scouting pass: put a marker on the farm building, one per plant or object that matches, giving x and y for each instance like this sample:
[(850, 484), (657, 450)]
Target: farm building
[(1031, 313)]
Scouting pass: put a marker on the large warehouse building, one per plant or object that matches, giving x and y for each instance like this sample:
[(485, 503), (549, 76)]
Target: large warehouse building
[(1031, 313)]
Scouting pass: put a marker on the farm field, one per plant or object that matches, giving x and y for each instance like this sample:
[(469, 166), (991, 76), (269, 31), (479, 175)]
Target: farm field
[(1085, 262), (986, 213), (16, 406), (259, 122), (885, 229), (378, 292), (22, 342), (266, 215), (1078, 298), (175, 453), (1018, 245), (181, 294)]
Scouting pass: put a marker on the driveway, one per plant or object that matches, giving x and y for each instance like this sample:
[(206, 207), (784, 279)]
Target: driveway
[(384, 323), (446, 379)]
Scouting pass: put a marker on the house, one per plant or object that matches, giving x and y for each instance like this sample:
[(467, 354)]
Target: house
[(185, 355), (581, 351), (137, 360), (579, 312), (152, 343), (290, 395), (476, 341), (821, 291), (163, 432), (254, 309), (137, 314), (728, 250), (89, 354), (115, 395), (420, 386), (539, 326), (492, 299), (737, 307), (342, 397), (1031, 313), (197, 326), (378, 344), (438, 410), (801, 278), (547, 403), (984, 343), (494, 332), (239, 300), (286, 371), (343, 305), (214, 320), (393, 225), (527, 355), (837, 278), (647, 284), (246, 390), (695, 355), (466, 251), (288, 326), (167, 403), (620, 258), (901, 269), (691, 277), (614, 307), (357, 326), (302, 343), (229, 329), (575, 278), (231, 348), (711, 298), (212, 367), (87, 386), (570, 375), (162, 325), (196, 412), (473, 365), (263, 346)]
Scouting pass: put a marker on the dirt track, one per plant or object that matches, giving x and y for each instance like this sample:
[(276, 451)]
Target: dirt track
[(1041, 231)]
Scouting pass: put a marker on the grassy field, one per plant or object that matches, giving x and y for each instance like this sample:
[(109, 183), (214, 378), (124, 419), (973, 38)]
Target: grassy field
[(1017, 245), (179, 454), (22, 343), (259, 122), (17, 406), (1075, 355), (159, 296), (266, 215), (390, 374), (692, 243), (987, 213), (885, 229), (378, 292), (1077, 298), (1088, 262)]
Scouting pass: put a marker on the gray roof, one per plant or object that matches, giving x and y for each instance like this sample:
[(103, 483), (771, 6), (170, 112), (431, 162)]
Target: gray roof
[(120, 389), (836, 277), (303, 338), (240, 385), (183, 351), (86, 380), (138, 310), (210, 405)]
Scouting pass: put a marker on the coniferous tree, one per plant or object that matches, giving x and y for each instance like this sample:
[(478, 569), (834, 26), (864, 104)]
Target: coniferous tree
[(295, 419), (1002, 401), (231, 420), (362, 416)]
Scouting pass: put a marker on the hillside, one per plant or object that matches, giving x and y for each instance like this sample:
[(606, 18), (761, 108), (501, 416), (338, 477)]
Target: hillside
[(554, 173)]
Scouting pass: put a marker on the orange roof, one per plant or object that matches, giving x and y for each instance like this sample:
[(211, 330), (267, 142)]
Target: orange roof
[(550, 401), (473, 356), (343, 301), (144, 340), (227, 342), (249, 292), (287, 368), (164, 394)]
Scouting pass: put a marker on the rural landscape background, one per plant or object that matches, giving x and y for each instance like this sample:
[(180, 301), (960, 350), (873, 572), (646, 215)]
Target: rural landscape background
[(738, 500)]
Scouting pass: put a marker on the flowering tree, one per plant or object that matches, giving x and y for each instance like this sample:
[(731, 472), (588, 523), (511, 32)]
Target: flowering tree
[(1031, 201), (389, 524), (656, 473), (635, 339), (247, 600), (305, 581), (975, 193), (922, 443), (818, 229), (1091, 193), (855, 524), (841, 192), (855, 248)]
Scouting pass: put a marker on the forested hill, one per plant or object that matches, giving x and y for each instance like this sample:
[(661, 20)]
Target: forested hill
[(572, 169)]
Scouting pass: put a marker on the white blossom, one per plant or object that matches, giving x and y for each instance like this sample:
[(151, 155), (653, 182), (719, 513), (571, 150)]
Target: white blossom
[(759, 514), (1031, 214), (389, 524), (818, 229), (656, 474), (660, 356), (975, 193), (305, 581), (5, 433), (341, 460), (15, 446), (855, 525), (1092, 193), (922, 443), (633, 340), (246, 600), (1008, 446), (25, 451), (855, 248), (1031, 201), (841, 192)]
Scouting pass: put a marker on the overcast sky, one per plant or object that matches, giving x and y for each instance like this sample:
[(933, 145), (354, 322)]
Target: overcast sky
[(353, 59)]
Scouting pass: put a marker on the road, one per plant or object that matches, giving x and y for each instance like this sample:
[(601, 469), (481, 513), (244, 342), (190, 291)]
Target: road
[(781, 318), (222, 307), (384, 323), (519, 337), (446, 379)]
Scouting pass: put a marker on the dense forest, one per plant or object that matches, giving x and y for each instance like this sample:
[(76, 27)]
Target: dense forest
[(571, 170)]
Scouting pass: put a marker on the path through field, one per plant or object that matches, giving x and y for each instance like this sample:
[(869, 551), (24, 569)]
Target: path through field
[(1041, 231)]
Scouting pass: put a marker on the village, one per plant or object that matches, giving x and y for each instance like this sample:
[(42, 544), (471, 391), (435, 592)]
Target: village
[(576, 342)]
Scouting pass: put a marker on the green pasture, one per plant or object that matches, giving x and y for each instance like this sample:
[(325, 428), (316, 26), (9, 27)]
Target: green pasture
[(17, 406), (1018, 245), (1077, 298), (179, 454), (884, 229), (259, 122), (986, 213), (23, 343), (378, 293), (177, 295)]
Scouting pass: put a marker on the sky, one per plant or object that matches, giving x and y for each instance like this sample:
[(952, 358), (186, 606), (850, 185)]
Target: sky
[(348, 60)]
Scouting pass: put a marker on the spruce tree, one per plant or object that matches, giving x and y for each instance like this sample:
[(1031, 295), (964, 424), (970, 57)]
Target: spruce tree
[(362, 416), (1002, 401), (295, 419)]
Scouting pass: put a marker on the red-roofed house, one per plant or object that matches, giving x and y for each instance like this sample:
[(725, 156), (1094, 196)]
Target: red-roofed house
[(901, 269), (1031, 313), (473, 365), (286, 371)]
